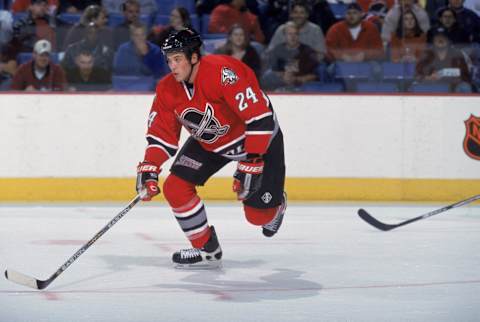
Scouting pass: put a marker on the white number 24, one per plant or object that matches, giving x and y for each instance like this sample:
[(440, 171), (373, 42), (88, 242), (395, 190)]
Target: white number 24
[(243, 98)]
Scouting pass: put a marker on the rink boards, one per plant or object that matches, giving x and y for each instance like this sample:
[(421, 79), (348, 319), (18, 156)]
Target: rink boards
[(70, 147)]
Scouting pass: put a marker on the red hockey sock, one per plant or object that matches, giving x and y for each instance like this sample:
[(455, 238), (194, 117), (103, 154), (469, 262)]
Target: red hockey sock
[(259, 217), (188, 209)]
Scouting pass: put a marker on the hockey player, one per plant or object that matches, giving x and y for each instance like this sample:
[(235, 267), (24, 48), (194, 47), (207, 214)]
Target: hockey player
[(218, 100)]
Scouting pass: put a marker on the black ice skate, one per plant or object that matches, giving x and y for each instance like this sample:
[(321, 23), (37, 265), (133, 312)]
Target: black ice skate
[(200, 258), (272, 227)]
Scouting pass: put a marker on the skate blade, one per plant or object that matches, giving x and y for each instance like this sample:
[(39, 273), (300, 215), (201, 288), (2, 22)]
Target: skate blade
[(199, 266)]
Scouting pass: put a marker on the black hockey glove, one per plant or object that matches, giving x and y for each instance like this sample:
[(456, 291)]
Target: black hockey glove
[(147, 180), (248, 177)]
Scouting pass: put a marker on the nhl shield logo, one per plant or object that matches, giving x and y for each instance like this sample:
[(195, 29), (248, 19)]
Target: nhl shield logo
[(471, 143)]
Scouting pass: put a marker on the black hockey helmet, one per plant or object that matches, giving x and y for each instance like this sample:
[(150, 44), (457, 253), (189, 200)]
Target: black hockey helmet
[(186, 40)]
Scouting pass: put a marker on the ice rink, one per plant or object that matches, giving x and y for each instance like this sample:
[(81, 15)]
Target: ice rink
[(324, 265)]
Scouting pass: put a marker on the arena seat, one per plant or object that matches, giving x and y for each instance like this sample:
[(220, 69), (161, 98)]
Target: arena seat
[(339, 9), (320, 87), (115, 19), (69, 18), (352, 70), (376, 87), (166, 6), (430, 88), (398, 71), (133, 83)]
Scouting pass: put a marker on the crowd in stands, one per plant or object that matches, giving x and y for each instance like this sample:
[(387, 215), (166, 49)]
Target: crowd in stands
[(291, 45)]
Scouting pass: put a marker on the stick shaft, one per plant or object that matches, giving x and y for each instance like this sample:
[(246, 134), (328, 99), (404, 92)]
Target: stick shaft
[(29, 281), (385, 227)]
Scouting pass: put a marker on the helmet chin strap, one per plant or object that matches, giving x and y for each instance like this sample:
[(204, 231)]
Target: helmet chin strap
[(191, 69)]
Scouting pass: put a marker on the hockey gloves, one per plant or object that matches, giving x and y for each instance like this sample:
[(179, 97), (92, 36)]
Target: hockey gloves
[(147, 180), (248, 177)]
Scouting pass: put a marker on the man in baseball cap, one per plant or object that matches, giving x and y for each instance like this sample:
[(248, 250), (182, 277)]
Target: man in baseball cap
[(40, 74)]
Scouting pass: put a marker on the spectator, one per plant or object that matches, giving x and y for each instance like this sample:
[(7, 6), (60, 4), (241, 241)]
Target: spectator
[(8, 66), (290, 64), (85, 76), (97, 15), (376, 14), (147, 7), (354, 40), (76, 6), (366, 4), (35, 26), (205, 7), (393, 17), (467, 19), (238, 46), (432, 6), (310, 33), (322, 14), (224, 16), (8, 62), (39, 74), (275, 13), (179, 19), (473, 5), (138, 56), (444, 64), (409, 41), (6, 21), (102, 52), (23, 5), (131, 14), (447, 19)]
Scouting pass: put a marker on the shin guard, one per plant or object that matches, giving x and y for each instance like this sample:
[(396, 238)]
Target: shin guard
[(188, 209)]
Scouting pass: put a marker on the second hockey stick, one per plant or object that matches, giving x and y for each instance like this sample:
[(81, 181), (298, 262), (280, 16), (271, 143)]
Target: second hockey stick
[(386, 227), (32, 282)]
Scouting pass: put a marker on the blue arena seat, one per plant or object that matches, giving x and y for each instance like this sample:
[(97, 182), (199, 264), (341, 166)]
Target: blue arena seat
[(398, 71), (19, 15), (352, 70), (205, 19), (212, 41), (320, 87), (133, 83), (165, 20), (430, 88), (117, 19), (339, 9), (166, 6), (195, 22), (161, 20), (69, 18), (376, 87)]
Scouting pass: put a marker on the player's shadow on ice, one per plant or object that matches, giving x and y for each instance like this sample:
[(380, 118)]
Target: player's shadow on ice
[(279, 284)]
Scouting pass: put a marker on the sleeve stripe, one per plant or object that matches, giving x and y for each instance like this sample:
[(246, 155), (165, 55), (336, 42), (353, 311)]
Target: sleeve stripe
[(162, 148), (258, 132), (258, 117), (168, 145), (157, 144)]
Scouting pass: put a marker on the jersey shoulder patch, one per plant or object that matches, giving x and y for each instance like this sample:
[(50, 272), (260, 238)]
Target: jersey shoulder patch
[(229, 77)]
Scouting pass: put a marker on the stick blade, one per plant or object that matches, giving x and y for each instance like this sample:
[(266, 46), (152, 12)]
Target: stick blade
[(22, 279), (374, 222)]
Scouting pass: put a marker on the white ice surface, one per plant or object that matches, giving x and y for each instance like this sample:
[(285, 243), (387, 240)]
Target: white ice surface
[(324, 265)]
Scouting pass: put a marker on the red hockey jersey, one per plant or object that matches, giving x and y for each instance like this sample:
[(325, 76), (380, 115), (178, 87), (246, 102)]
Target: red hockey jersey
[(226, 111)]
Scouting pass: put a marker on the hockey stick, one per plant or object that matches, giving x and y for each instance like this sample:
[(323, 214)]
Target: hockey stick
[(386, 227), (26, 280)]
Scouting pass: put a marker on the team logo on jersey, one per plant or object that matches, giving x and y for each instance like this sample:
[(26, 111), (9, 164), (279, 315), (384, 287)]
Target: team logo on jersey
[(267, 197), (228, 76), (203, 125), (471, 142)]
